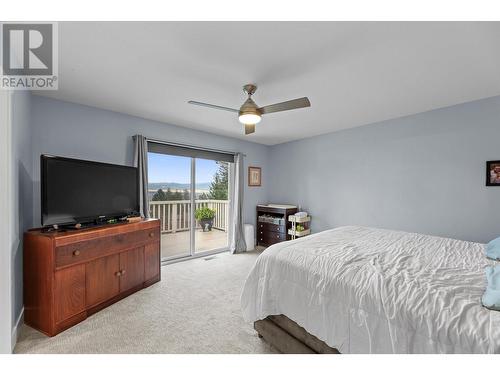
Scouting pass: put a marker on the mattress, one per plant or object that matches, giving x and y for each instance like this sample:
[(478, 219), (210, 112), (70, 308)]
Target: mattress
[(366, 290)]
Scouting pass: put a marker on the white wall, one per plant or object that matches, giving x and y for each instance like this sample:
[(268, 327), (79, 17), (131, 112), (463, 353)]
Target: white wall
[(22, 193), (6, 223), (16, 188)]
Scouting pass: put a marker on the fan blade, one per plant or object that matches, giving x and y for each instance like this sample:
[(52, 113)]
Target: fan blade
[(213, 106), (285, 106), (249, 129)]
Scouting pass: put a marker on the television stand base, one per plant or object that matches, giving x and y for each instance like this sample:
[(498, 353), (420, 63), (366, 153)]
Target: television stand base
[(87, 225)]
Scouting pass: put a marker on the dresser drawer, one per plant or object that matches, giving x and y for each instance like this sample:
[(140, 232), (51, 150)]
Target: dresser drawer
[(271, 237), (83, 251), (268, 227)]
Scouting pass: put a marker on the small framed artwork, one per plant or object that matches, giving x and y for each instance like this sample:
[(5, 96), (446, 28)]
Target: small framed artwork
[(254, 176), (493, 173)]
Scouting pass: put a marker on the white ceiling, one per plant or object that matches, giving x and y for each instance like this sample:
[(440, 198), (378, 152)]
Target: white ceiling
[(354, 73)]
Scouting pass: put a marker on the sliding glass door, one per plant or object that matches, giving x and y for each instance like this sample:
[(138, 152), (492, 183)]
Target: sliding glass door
[(169, 179), (212, 205), (190, 196)]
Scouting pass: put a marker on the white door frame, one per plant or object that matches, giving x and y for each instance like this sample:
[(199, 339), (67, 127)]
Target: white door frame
[(6, 221)]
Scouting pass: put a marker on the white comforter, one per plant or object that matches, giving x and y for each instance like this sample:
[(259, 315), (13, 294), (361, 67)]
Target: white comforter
[(365, 290)]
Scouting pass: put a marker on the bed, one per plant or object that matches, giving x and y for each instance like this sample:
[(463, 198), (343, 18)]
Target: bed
[(364, 290)]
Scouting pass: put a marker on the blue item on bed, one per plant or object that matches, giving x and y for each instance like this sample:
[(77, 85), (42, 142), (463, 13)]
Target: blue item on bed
[(491, 296), (493, 249)]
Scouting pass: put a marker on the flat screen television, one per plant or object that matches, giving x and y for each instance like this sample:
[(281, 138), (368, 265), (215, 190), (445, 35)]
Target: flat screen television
[(79, 191)]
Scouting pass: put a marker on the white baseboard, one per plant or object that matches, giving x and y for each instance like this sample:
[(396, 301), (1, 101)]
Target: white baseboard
[(17, 328)]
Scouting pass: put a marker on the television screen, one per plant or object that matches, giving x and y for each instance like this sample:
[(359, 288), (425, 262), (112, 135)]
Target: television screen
[(78, 191)]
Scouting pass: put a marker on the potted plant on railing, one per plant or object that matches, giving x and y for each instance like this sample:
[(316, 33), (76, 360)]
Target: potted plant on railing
[(205, 217)]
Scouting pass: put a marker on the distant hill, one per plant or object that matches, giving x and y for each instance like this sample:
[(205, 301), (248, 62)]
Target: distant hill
[(177, 186)]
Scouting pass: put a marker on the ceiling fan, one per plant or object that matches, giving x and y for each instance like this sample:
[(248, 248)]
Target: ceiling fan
[(250, 113)]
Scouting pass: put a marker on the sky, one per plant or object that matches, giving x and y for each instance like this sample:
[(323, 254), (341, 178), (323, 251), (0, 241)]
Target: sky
[(168, 168)]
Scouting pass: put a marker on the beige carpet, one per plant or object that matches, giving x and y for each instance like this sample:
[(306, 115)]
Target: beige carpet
[(194, 309)]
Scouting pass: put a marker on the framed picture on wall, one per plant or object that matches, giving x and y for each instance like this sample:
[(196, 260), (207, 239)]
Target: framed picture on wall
[(254, 176), (493, 173)]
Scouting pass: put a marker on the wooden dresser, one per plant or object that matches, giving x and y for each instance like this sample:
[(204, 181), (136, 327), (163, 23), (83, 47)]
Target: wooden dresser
[(71, 275), (269, 233)]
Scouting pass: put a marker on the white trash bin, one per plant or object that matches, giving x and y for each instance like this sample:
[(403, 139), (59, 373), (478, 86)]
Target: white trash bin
[(249, 236)]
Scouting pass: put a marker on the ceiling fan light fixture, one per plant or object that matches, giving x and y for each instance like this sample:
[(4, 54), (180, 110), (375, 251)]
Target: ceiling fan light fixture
[(249, 118), (250, 113)]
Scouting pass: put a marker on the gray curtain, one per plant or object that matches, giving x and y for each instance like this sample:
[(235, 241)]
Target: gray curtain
[(141, 162), (237, 243)]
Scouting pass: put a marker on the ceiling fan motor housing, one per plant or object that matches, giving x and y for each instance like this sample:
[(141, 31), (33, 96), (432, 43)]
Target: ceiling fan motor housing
[(249, 107)]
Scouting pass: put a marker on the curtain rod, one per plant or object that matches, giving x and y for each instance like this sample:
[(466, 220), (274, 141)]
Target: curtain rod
[(191, 146)]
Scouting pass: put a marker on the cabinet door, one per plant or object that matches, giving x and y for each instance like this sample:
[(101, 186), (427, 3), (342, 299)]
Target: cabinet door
[(69, 292), (152, 261), (131, 268), (103, 279)]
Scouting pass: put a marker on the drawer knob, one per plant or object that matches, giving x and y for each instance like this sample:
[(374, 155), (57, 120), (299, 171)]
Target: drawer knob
[(76, 253), (122, 272), (118, 273), (151, 234)]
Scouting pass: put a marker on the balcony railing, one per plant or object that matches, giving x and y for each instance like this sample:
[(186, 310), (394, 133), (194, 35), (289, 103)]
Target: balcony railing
[(174, 215)]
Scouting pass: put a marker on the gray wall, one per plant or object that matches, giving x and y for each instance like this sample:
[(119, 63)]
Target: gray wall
[(72, 130), (22, 191), (423, 173)]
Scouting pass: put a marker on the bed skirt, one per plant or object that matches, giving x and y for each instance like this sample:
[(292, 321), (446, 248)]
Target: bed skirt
[(289, 338)]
